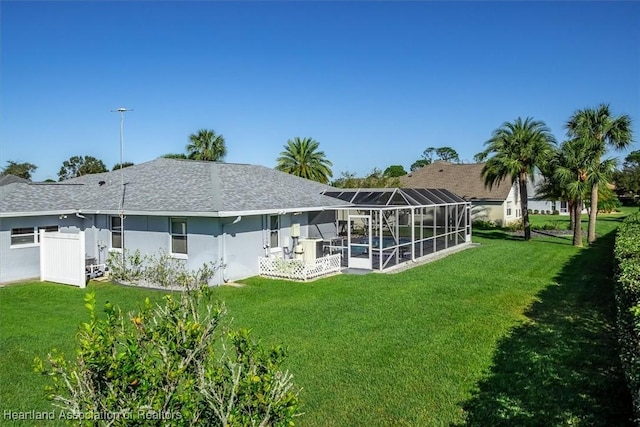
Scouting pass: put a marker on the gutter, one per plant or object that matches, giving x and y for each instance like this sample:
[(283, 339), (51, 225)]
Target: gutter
[(205, 214)]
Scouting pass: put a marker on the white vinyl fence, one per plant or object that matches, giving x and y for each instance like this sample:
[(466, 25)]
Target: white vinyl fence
[(62, 258), (297, 269)]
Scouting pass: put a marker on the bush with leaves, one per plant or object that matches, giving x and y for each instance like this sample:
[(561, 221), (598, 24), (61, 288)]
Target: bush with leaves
[(159, 269), (173, 363), (627, 254), (483, 224), (515, 225)]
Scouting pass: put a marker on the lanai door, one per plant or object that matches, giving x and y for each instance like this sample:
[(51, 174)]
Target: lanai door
[(359, 236)]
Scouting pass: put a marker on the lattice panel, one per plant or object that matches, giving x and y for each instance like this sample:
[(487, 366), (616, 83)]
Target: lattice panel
[(297, 269)]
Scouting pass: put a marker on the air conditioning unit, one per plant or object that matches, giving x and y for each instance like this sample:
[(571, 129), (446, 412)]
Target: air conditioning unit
[(311, 249)]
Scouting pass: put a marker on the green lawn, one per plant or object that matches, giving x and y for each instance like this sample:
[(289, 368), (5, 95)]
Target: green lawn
[(510, 332)]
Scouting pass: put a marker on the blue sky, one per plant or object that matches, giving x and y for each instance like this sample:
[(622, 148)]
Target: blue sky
[(374, 82)]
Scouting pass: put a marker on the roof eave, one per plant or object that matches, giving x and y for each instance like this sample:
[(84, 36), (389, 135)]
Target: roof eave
[(277, 211)]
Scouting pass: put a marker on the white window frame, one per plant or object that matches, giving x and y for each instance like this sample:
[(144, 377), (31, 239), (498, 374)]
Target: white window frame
[(34, 233), (114, 231), (176, 233), (509, 208)]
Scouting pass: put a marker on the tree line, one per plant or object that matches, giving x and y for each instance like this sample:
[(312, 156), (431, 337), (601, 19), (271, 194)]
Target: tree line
[(574, 170), (205, 145)]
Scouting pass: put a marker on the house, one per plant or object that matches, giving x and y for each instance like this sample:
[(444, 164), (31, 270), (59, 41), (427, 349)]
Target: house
[(228, 213), (538, 204), (500, 204), (248, 219)]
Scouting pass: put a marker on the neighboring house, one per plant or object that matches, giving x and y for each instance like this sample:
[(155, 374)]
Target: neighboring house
[(501, 204), (543, 205), (197, 211)]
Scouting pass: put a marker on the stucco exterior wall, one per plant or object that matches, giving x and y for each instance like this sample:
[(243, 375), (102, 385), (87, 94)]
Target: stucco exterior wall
[(242, 244), (483, 210), (512, 210), (20, 262), (501, 212), (235, 242), (151, 235)]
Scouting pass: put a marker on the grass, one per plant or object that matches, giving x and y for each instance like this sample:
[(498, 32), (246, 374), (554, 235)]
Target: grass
[(561, 222), (509, 333)]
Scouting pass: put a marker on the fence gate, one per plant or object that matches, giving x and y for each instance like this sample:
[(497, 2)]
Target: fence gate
[(62, 258)]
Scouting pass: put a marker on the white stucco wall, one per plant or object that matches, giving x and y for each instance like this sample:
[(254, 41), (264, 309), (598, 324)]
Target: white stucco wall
[(497, 210)]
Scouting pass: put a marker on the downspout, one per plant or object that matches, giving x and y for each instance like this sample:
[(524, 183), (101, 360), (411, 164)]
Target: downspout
[(224, 248)]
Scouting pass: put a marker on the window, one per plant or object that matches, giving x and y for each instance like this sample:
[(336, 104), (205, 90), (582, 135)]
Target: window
[(116, 232), (564, 207), (508, 208), (178, 235), (29, 235), (274, 231)]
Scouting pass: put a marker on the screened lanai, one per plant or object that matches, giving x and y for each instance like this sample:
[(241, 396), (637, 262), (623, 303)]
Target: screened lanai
[(385, 227)]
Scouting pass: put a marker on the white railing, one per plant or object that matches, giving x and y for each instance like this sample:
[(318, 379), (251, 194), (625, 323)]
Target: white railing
[(297, 269)]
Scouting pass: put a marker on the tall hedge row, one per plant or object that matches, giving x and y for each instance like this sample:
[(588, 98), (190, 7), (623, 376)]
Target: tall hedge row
[(627, 253)]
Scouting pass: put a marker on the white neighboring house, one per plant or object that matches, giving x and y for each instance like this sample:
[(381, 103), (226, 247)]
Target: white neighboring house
[(543, 205), (500, 204)]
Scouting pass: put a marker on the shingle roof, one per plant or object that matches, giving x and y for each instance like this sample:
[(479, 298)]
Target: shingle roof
[(173, 185), (11, 179), (464, 180)]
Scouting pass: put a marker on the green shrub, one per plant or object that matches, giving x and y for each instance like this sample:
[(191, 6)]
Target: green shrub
[(159, 269), (175, 363), (627, 254), (125, 266), (483, 224), (545, 226), (516, 225), (536, 212), (609, 205)]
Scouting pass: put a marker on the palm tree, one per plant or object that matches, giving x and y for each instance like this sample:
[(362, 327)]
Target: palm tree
[(599, 130), (517, 148), (570, 174), (206, 145), (302, 158)]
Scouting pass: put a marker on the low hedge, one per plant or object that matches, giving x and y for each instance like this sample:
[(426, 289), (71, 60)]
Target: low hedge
[(627, 254)]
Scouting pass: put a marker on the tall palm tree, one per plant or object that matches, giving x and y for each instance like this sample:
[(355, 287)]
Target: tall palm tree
[(516, 149), (302, 158), (206, 145), (599, 130), (570, 173)]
